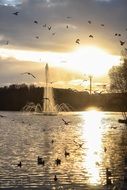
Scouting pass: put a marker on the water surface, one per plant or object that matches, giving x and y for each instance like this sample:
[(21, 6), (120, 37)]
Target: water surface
[(94, 140)]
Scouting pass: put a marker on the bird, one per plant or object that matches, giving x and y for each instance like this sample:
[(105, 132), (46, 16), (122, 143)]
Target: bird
[(55, 178), (113, 127), (2, 116), (68, 17), (37, 37), (116, 34), (79, 144), (122, 43), (78, 41), (66, 122), (19, 164), (53, 33), (35, 21), (119, 34), (58, 161), (105, 149), (90, 36), (49, 27), (102, 25), (29, 74), (66, 153), (15, 13), (67, 26), (40, 161), (89, 21)]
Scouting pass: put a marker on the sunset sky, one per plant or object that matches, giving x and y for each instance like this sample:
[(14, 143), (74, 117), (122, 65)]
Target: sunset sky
[(45, 31)]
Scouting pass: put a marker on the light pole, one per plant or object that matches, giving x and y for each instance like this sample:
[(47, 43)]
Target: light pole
[(90, 77)]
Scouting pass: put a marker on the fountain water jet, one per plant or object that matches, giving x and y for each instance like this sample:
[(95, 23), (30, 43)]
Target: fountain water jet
[(49, 107)]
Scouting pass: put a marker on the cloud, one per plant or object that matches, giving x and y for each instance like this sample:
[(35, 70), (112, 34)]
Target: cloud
[(104, 0), (12, 3)]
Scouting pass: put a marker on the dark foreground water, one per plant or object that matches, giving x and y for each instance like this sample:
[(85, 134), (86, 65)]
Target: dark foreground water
[(94, 140)]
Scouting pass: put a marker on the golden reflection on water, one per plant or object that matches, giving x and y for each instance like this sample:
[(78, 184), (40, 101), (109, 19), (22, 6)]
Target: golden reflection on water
[(93, 137)]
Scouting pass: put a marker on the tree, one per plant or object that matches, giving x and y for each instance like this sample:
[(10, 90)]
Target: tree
[(118, 77)]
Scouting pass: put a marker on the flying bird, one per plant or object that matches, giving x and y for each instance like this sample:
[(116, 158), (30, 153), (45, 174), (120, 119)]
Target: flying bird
[(68, 17), (53, 33), (122, 43), (79, 144), (37, 37), (89, 21), (36, 22), (102, 25), (90, 36), (49, 27), (15, 13), (116, 34), (28, 74), (66, 122), (67, 26), (78, 41), (19, 164)]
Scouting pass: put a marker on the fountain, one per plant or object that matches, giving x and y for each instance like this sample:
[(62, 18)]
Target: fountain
[(49, 107)]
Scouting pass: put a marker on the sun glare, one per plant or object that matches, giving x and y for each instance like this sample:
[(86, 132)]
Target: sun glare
[(87, 60), (93, 61)]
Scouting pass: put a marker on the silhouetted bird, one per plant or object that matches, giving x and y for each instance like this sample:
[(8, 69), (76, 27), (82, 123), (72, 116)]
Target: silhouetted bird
[(2, 116), (116, 34), (52, 141), (53, 33), (58, 161), (66, 153), (122, 43), (78, 41), (119, 34), (68, 17), (67, 26), (90, 36), (105, 149), (66, 122), (40, 161), (55, 178), (36, 22), (89, 21), (102, 25), (79, 144), (49, 27), (28, 74), (19, 164), (37, 37), (15, 13)]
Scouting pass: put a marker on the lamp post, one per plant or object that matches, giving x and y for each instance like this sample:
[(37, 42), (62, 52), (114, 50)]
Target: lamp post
[(90, 77)]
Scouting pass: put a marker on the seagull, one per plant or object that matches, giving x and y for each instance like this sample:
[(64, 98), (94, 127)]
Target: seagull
[(78, 41), (79, 144), (40, 161), (122, 43), (90, 36), (2, 116), (66, 153), (49, 27), (19, 164), (68, 17), (15, 13), (66, 122), (89, 21), (58, 161), (36, 22), (55, 178), (28, 74)]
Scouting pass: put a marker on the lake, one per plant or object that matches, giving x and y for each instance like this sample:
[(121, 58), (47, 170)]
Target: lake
[(86, 143)]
